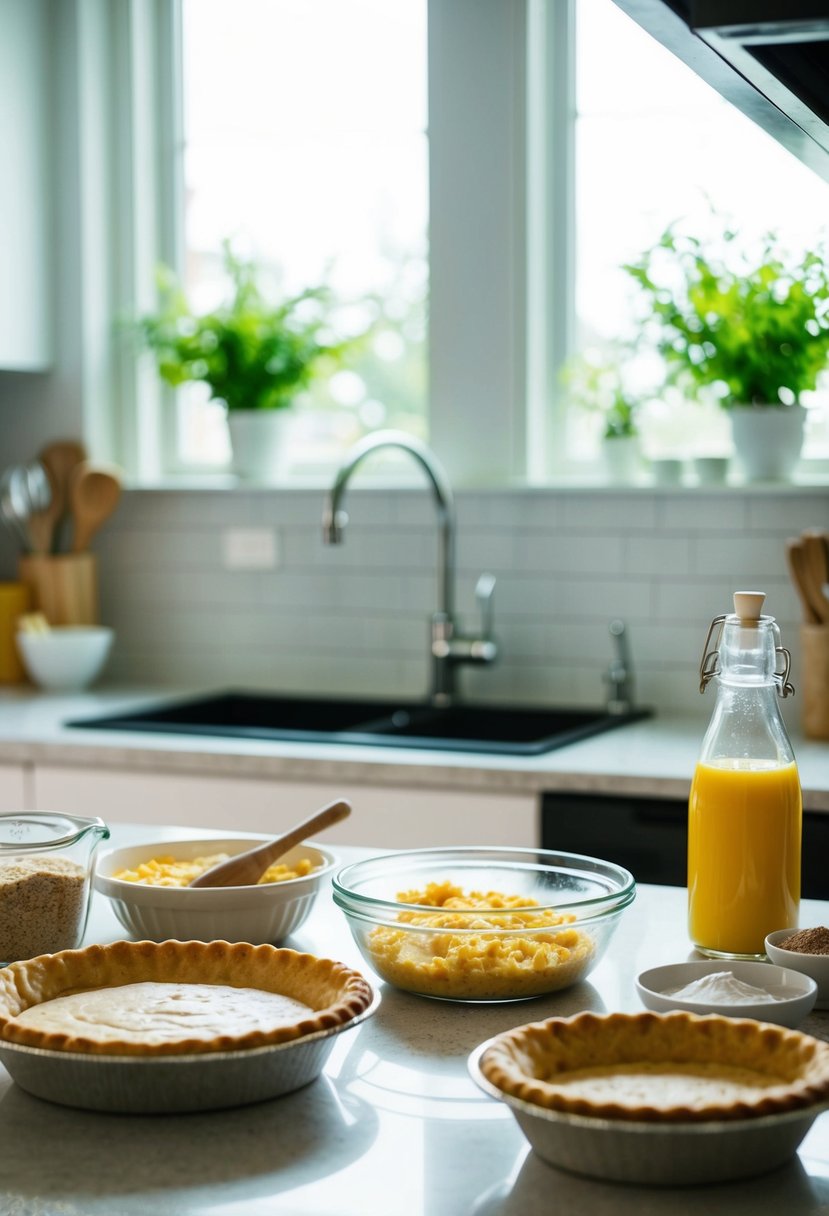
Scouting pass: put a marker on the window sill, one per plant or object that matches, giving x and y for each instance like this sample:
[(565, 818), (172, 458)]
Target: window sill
[(320, 482)]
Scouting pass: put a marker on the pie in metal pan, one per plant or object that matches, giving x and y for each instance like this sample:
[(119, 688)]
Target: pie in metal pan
[(658, 1099), (145, 1027)]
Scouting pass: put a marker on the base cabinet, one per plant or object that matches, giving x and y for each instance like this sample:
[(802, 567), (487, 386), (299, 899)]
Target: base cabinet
[(13, 795), (382, 816)]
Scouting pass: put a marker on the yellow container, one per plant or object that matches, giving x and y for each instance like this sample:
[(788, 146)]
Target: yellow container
[(14, 601)]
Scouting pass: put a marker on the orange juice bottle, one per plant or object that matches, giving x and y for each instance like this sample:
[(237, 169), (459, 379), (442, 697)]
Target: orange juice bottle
[(745, 809)]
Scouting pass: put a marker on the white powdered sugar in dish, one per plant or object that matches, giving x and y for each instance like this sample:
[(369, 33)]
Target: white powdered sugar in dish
[(721, 988)]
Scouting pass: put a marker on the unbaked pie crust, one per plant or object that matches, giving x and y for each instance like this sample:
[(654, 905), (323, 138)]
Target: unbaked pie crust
[(173, 998), (679, 1067)]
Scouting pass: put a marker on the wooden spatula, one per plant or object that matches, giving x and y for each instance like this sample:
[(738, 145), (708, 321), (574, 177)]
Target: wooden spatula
[(93, 496), (245, 869), (59, 459)]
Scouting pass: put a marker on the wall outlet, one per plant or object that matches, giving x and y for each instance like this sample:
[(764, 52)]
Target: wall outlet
[(250, 549)]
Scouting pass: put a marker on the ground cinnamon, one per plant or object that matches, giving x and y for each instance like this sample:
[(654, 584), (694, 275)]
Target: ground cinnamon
[(808, 941)]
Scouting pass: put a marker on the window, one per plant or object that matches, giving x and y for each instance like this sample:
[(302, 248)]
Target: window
[(655, 144), (304, 126), (551, 156)]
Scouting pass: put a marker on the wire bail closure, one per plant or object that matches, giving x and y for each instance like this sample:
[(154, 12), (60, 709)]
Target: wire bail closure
[(709, 667)]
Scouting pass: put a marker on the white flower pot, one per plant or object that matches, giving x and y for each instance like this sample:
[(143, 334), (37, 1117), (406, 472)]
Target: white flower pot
[(260, 441), (622, 456), (768, 440)]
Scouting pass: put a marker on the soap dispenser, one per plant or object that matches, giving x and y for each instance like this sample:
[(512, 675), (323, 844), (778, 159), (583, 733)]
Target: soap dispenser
[(745, 808)]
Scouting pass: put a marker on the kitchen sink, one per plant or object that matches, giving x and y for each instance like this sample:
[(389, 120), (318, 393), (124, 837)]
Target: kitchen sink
[(504, 730)]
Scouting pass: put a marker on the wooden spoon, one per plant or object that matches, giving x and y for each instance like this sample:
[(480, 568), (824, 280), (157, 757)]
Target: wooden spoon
[(245, 869), (59, 459), (42, 523), (809, 593), (93, 496)]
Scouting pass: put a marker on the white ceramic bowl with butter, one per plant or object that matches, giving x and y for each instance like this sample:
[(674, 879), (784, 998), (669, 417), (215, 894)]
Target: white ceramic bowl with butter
[(814, 965), (796, 994), (65, 657), (262, 913)]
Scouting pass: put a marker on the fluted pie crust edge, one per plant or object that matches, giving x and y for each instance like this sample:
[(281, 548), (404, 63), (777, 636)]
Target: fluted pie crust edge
[(334, 993), (532, 1063)]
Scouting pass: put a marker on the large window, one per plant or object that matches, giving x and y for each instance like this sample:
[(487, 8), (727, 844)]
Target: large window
[(305, 146), (304, 141), (656, 145)]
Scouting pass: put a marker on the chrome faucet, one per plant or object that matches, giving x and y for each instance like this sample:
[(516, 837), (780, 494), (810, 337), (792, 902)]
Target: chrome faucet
[(449, 649), (619, 675)]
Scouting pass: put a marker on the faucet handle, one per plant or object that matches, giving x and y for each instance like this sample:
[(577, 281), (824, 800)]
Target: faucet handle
[(484, 591)]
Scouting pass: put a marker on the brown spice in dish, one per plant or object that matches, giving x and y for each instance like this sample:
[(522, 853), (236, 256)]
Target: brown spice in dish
[(808, 941), (42, 904)]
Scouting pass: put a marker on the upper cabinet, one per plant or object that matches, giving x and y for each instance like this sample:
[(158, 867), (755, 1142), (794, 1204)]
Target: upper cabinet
[(25, 195), (770, 58)]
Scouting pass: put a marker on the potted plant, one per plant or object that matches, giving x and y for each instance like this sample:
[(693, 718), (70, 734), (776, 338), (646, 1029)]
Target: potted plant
[(597, 382), (254, 355), (750, 326)]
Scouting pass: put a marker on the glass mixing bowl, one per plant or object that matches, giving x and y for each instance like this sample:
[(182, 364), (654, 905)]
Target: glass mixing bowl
[(483, 924)]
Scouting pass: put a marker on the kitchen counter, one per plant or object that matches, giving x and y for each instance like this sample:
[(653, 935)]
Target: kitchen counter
[(654, 757), (393, 1127)]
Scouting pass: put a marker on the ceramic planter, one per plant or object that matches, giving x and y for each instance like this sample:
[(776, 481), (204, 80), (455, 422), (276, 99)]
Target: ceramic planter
[(260, 441), (768, 440), (622, 458)]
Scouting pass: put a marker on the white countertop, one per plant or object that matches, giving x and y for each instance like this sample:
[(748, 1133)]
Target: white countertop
[(654, 757), (393, 1127)]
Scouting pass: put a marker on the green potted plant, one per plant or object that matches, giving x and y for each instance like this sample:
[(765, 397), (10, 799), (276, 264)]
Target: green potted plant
[(254, 355), (750, 326), (596, 381)]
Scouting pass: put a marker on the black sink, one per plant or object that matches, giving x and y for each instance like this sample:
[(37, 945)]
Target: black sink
[(469, 728)]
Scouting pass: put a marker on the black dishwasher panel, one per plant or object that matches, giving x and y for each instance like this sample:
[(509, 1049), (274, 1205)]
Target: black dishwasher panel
[(649, 836)]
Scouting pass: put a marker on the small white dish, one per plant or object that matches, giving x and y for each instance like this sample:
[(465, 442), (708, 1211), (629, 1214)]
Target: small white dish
[(814, 965), (65, 657), (798, 991)]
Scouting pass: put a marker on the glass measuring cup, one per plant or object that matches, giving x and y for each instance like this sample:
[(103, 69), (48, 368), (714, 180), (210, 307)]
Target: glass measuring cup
[(45, 881)]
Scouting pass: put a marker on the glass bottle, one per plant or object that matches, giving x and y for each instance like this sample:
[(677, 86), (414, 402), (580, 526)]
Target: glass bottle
[(745, 808)]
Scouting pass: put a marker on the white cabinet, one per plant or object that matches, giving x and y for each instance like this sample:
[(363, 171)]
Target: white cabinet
[(25, 90), (13, 788), (382, 816)]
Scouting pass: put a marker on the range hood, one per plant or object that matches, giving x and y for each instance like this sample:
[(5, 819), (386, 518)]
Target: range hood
[(770, 58)]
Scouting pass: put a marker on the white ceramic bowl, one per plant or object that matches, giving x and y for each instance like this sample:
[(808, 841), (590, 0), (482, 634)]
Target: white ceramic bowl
[(266, 912), (797, 992), (67, 656), (814, 965)]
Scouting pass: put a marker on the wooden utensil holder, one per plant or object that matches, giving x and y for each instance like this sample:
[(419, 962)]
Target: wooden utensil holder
[(814, 680), (64, 588)]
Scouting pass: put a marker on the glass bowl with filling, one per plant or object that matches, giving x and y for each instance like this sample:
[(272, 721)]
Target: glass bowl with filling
[(147, 887), (483, 924)]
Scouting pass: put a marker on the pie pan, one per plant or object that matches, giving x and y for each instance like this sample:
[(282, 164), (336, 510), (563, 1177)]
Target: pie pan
[(170, 1071), (650, 1143)]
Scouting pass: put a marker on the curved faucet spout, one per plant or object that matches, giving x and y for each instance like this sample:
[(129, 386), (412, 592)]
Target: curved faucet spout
[(334, 518)]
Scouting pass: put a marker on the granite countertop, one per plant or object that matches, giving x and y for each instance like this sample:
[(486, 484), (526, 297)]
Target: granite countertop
[(652, 757), (393, 1127)]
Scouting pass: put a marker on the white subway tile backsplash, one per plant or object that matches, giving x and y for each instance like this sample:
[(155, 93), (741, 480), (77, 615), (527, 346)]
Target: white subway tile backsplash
[(354, 619)]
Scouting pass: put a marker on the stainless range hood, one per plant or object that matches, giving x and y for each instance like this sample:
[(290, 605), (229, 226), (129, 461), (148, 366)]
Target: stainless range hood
[(770, 58)]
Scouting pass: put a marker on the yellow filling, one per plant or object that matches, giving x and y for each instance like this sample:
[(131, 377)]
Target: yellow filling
[(168, 872), (534, 952)]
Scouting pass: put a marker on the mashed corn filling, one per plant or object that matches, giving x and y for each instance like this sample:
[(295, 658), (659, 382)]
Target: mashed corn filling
[(168, 872), (541, 952)]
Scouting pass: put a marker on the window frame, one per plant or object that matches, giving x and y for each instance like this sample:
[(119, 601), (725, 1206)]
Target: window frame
[(502, 212)]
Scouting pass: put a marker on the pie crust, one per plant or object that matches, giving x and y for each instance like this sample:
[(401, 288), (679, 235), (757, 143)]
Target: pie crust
[(223, 989), (648, 1067)]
